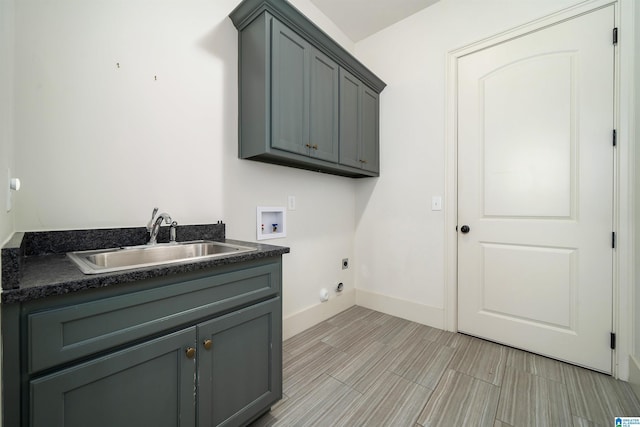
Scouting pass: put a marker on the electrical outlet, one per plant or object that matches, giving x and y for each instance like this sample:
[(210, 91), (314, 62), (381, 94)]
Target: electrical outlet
[(345, 263), (292, 203)]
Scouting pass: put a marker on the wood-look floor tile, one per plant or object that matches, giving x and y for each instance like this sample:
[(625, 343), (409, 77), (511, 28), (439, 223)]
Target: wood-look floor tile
[(391, 401), (481, 359), (348, 337), (423, 362), (389, 330), (286, 357), (385, 366), (348, 316), (407, 332), (363, 368), (434, 334), (378, 317), (531, 400), (453, 339), (597, 397), (535, 364), (461, 400), (302, 341), (326, 401), (581, 422), (304, 368)]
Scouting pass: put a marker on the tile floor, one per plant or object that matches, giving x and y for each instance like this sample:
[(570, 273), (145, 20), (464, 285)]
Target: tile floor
[(365, 368)]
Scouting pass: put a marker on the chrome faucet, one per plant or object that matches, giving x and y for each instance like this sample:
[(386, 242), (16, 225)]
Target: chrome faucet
[(153, 227)]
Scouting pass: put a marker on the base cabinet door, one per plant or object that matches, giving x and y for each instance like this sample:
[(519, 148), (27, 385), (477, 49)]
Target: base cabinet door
[(150, 384), (240, 365)]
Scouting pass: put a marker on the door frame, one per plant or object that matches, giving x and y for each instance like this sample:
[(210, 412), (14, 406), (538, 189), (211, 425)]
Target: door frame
[(624, 170)]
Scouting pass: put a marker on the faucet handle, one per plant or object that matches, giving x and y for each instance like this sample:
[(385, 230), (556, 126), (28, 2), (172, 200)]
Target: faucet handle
[(172, 232), (153, 215)]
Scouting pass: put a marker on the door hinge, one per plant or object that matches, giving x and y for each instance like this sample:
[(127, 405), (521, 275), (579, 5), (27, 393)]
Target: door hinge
[(615, 138), (615, 35), (613, 341), (613, 240)]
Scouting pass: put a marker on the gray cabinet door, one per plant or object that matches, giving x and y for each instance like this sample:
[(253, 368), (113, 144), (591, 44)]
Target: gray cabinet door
[(369, 154), (240, 374), (350, 113), (290, 90), (150, 384), (359, 124), (323, 119)]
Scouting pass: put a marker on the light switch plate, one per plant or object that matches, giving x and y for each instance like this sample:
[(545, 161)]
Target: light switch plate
[(436, 203)]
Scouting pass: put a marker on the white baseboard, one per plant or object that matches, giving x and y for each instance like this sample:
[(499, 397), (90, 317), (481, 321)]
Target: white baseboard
[(405, 309), (304, 319), (634, 374)]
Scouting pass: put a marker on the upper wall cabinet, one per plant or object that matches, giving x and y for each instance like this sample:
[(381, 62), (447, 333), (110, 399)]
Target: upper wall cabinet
[(304, 101)]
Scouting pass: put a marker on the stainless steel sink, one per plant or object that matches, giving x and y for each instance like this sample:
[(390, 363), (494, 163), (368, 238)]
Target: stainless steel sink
[(117, 259)]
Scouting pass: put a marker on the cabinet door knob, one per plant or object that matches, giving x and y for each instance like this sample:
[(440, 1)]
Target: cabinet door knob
[(314, 146), (207, 344), (307, 145), (190, 352)]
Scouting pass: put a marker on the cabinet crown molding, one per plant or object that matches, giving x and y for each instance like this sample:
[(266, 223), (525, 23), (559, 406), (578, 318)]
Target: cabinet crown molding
[(248, 10)]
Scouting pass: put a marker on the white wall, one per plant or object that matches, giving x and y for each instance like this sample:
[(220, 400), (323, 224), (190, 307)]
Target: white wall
[(399, 240), (635, 368), (6, 112), (637, 192), (99, 145)]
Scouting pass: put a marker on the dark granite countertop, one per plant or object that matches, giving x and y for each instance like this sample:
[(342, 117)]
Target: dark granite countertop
[(36, 265)]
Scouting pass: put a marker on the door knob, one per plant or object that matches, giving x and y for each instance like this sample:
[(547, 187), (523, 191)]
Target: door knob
[(465, 229), (207, 344)]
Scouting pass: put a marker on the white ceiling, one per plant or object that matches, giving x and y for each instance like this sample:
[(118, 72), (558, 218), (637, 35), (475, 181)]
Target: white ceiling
[(359, 19)]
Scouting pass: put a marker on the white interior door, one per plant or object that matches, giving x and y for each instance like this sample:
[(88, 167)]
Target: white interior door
[(535, 189)]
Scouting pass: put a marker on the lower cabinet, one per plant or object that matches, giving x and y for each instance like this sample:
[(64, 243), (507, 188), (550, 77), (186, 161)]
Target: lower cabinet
[(197, 349), (150, 384), (222, 372)]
